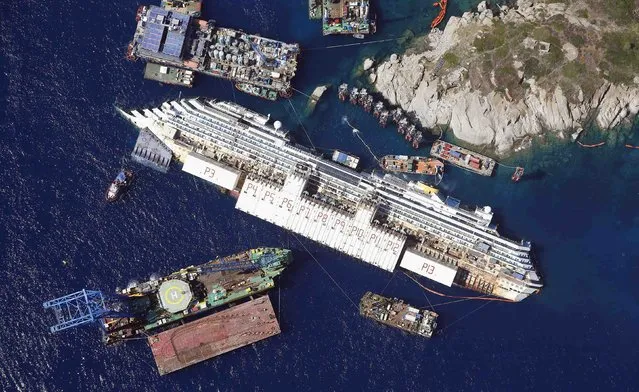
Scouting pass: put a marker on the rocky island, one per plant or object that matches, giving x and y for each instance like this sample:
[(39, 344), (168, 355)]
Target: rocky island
[(500, 75)]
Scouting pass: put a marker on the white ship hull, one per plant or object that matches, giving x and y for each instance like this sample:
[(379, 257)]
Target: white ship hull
[(370, 217)]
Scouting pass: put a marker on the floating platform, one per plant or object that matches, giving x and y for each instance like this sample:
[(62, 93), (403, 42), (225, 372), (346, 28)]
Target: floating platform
[(178, 40), (214, 335), (395, 313), (346, 17), (464, 158), (168, 75), (412, 164)]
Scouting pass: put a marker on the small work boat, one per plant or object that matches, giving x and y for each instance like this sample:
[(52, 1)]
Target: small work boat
[(519, 171), (121, 183)]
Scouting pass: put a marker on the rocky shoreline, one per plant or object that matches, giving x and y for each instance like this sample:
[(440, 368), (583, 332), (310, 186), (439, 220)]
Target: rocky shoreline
[(442, 92)]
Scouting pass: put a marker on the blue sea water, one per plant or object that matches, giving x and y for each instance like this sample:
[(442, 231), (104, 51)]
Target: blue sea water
[(62, 72)]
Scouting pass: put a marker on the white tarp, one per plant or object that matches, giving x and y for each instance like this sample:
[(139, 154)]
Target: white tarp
[(426, 266), (211, 171), (353, 235)]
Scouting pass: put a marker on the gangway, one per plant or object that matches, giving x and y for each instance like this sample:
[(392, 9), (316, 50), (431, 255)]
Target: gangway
[(81, 307)]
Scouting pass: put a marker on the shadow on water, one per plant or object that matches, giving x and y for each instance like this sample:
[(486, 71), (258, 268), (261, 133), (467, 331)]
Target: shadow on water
[(534, 176)]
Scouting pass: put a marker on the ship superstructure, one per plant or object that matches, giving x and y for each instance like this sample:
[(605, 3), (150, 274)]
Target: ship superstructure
[(259, 65), (380, 219)]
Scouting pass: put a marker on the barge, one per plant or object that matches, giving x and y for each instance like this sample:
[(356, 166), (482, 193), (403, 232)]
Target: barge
[(416, 165), (177, 308), (214, 335), (161, 303), (395, 313), (168, 75), (347, 17), (463, 158), (171, 38)]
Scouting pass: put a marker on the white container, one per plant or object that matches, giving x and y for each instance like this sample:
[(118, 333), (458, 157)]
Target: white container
[(425, 266), (211, 171)]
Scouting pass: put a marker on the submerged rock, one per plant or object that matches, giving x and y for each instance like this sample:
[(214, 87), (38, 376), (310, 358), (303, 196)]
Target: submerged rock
[(368, 63)]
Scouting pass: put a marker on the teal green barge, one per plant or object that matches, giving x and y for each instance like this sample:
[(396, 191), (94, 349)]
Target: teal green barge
[(195, 290)]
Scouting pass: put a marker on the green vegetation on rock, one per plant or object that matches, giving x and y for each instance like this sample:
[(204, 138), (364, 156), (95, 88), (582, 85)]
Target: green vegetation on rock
[(451, 59), (622, 52)]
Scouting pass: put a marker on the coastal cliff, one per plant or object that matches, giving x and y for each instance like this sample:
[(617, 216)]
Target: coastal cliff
[(496, 77)]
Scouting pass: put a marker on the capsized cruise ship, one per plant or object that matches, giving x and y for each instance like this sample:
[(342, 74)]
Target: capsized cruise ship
[(379, 219)]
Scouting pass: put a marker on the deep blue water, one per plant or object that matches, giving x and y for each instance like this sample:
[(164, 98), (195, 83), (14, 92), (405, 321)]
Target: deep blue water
[(63, 69)]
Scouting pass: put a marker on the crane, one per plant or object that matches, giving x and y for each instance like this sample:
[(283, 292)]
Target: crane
[(81, 307)]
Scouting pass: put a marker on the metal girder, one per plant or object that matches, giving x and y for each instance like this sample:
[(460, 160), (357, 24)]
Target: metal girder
[(81, 307)]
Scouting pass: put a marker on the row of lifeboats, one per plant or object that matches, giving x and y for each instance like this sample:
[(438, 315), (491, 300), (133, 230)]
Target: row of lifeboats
[(442, 4)]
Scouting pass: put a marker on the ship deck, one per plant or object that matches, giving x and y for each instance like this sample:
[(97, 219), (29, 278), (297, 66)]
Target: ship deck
[(463, 158), (345, 17), (395, 313), (202, 47), (168, 75), (214, 335)]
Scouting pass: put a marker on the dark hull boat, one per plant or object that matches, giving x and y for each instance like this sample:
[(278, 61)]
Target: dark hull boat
[(119, 185)]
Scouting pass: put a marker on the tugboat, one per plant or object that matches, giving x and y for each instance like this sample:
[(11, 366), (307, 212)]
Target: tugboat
[(354, 95), (377, 109), (410, 132), (519, 171), (368, 103), (417, 139), (402, 124), (383, 118), (361, 98), (397, 115), (119, 185), (342, 92)]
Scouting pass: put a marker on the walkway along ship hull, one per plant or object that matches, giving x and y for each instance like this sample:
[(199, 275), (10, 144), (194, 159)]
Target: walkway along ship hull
[(379, 219)]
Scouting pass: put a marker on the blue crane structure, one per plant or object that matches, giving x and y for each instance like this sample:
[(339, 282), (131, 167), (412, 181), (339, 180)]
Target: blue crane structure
[(81, 307)]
